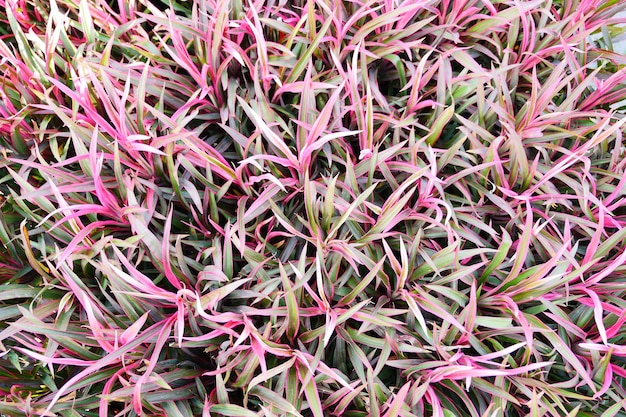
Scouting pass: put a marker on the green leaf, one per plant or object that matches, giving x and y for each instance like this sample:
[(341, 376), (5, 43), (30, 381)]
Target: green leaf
[(232, 410)]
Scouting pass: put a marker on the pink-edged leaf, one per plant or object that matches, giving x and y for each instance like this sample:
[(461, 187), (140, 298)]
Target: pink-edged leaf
[(598, 313), (110, 359), (133, 330), (165, 253), (231, 410), (457, 372), (398, 401), (563, 349), (164, 333), (269, 134), (310, 391), (331, 323), (54, 360), (429, 303)]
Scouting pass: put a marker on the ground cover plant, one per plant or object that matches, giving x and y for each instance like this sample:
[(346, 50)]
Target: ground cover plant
[(312, 208)]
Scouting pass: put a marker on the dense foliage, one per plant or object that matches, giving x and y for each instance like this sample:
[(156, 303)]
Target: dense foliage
[(312, 208)]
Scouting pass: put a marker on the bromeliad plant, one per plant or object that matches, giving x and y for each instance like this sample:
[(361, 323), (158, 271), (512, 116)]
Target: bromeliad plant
[(312, 208)]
